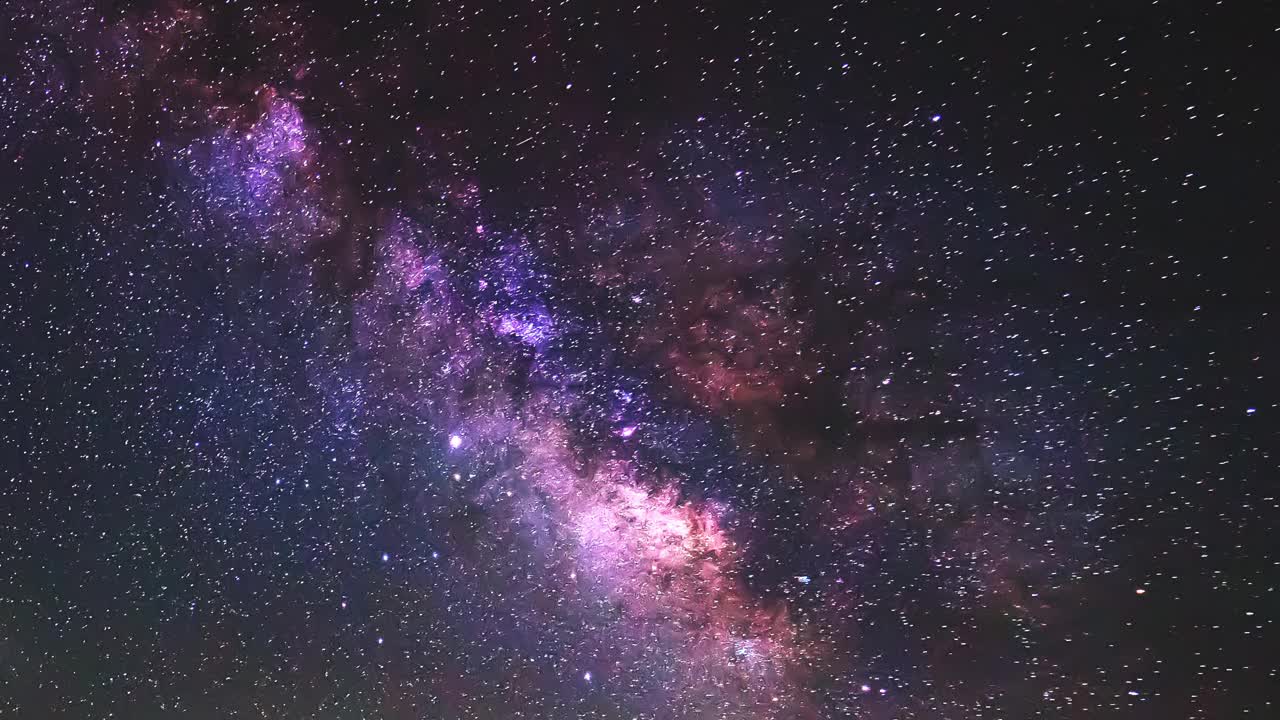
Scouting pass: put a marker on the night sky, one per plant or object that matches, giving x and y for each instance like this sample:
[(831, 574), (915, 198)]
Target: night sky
[(663, 361)]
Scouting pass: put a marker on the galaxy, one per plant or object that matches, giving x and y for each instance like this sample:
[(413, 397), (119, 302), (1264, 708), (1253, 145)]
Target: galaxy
[(658, 361)]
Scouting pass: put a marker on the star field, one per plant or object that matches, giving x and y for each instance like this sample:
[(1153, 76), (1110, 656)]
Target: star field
[(651, 361)]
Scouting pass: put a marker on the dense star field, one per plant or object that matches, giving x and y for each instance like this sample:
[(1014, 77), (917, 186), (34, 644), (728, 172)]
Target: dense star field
[(659, 361)]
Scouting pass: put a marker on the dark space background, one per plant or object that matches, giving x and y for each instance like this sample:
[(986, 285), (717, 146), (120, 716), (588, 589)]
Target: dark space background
[(668, 360)]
